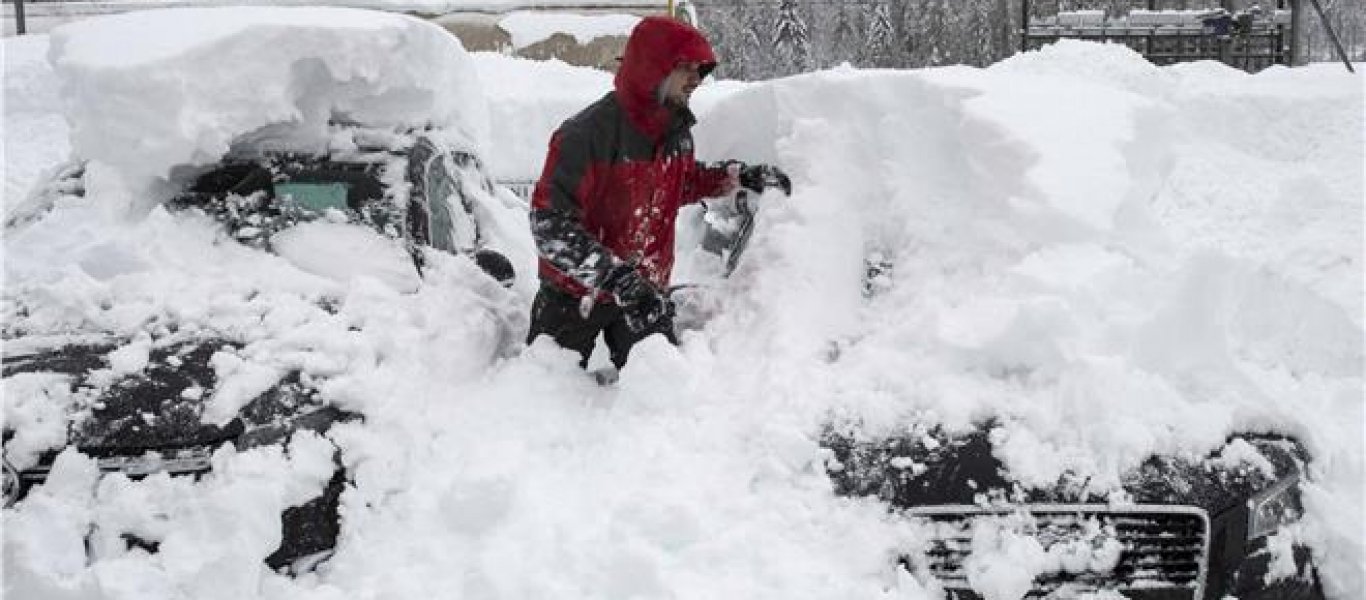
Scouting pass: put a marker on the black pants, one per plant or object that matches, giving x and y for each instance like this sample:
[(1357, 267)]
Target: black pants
[(556, 314)]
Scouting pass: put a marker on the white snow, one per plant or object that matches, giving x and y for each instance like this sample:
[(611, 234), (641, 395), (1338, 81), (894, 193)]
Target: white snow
[(1112, 259), (341, 251), (527, 100), (1005, 557), (132, 357), (31, 93), (531, 27)]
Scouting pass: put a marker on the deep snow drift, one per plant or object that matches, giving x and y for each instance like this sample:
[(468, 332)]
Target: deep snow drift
[(1111, 258)]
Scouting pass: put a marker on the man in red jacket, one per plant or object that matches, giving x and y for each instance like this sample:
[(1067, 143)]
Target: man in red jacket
[(603, 211)]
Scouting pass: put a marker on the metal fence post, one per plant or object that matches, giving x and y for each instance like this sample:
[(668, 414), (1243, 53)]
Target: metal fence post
[(1333, 35)]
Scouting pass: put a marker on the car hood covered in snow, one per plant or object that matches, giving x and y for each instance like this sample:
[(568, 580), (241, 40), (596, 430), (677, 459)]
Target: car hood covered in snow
[(929, 467)]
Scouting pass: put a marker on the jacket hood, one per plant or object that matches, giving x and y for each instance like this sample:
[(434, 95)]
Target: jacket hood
[(656, 46)]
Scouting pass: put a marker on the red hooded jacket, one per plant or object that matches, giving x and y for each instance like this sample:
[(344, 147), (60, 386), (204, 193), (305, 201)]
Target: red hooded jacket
[(617, 173)]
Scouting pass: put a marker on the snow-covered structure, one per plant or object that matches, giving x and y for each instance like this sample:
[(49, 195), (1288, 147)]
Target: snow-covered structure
[(1250, 39)]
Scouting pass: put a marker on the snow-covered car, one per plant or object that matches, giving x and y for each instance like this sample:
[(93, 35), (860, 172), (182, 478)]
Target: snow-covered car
[(407, 185), (1185, 527), (1020, 421), (350, 168), (150, 421)]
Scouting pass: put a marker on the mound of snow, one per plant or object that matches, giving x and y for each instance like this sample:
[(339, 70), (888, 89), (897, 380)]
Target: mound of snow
[(1116, 65), (146, 91)]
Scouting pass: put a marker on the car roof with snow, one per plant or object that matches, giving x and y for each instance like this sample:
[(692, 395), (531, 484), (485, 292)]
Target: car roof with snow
[(147, 91)]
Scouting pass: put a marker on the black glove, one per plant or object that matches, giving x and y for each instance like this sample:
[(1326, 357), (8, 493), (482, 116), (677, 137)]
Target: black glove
[(642, 303), (758, 177)]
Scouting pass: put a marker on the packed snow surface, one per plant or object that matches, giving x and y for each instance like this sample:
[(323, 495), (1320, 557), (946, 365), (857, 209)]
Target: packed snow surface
[(1110, 258)]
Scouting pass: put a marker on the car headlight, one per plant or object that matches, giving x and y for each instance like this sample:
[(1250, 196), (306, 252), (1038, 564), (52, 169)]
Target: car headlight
[(11, 485), (1274, 507)]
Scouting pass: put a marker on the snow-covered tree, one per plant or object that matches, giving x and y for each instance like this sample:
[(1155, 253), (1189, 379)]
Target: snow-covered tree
[(791, 39), (845, 40), (882, 46)]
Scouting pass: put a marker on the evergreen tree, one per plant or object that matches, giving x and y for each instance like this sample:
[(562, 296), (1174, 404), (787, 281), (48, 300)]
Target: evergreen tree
[(758, 46), (791, 39), (844, 42), (881, 47), (935, 27)]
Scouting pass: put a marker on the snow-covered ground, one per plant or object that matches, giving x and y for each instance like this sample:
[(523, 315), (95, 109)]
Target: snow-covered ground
[(1111, 258)]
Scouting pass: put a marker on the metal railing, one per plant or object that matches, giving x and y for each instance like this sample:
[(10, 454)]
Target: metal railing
[(1250, 40)]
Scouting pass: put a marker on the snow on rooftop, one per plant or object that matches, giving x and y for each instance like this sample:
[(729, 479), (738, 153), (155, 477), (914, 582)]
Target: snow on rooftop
[(146, 91), (529, 27)]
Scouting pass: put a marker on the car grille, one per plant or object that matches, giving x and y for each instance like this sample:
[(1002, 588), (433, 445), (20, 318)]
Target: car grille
[(1163, 550), (186, 461)]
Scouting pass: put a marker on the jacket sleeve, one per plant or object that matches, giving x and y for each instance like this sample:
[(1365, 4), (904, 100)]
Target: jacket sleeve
[(706, 182), (557, 213)]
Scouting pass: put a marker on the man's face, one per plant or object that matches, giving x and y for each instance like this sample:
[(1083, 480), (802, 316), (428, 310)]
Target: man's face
[(679, 85)]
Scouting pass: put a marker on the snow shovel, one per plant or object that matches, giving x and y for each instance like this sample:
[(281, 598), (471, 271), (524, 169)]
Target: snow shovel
[(732, 240)]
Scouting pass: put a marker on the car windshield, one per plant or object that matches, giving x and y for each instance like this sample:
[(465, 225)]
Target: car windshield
[(256, 198), (314, 197)]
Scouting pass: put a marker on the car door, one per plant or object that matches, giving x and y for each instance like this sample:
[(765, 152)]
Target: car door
[(440, 213)]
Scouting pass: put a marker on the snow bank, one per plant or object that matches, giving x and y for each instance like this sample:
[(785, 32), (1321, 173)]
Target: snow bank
[(150, 90), (527, 28)]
